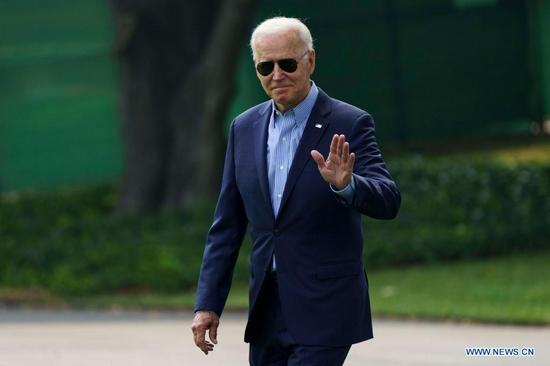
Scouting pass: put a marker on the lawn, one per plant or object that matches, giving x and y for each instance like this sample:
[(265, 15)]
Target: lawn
[(514, 290)]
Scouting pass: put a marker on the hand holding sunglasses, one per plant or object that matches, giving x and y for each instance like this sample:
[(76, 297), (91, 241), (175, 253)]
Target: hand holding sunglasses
[(287, 65)]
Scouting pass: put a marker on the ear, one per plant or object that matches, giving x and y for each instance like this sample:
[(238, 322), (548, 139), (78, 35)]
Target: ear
[(311, 59)]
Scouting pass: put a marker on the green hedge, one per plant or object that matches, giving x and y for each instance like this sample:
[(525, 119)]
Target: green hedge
[(462, 209), (70, 242)]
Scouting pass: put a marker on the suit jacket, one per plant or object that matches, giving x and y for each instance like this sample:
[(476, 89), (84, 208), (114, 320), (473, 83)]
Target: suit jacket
[(317, 238)]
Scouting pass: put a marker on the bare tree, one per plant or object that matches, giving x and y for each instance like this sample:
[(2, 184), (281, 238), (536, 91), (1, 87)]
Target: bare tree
[(178, 62)]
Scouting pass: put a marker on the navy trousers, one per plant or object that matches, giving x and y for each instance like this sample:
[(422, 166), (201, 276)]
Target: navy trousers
[(272, 344)]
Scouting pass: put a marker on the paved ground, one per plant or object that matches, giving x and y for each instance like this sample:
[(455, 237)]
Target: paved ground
[(41, 338)]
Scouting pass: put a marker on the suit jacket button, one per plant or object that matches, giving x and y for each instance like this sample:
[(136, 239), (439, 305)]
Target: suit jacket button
[(276, 232)]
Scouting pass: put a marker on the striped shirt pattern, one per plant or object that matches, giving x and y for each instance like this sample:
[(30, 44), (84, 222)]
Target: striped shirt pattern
[(284, 134)]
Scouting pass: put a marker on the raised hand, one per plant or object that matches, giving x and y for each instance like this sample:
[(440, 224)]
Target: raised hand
[(338, 168)]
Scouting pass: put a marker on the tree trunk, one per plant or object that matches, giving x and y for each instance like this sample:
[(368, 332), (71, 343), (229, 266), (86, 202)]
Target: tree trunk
[(222, 57), (170, 143)]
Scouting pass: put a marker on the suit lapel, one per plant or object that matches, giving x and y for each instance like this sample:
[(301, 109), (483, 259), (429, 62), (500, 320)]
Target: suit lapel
[(260, 152), (314, 130)]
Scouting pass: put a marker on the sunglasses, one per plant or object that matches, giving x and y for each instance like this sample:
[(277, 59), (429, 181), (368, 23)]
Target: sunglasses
[(287, 65)]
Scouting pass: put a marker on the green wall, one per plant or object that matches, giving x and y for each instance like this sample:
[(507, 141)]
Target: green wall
[(57, 94), (424, 69), (544, 22)]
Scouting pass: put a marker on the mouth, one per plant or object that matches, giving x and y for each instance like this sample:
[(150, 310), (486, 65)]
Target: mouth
[(280, 87)]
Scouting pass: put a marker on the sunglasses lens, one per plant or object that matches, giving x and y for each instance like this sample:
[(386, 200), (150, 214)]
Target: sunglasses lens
[(265, 68), (288, 65)]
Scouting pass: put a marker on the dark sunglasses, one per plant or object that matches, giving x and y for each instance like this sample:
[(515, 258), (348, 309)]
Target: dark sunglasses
[(287, 65)]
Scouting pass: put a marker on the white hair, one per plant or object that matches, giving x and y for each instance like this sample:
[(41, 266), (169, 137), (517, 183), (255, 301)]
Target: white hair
[(278, 25)]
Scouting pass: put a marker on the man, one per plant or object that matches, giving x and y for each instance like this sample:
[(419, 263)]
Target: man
[(309, 297)]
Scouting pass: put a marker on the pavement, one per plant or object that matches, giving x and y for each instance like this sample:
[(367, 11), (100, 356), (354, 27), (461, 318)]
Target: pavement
[(82, 338)]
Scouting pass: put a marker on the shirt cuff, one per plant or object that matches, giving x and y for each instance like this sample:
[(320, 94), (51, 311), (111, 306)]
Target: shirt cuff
[(347, 193)]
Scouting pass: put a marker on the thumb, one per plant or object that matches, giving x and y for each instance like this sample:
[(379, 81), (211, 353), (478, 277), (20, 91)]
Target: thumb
[(318, 157), (213, 333)]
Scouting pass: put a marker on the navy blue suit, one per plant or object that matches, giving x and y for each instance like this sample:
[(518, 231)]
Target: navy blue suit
[(317, 238)]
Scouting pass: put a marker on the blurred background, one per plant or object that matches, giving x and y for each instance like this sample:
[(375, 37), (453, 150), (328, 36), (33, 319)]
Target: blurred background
[(426, 70), (113, 117)]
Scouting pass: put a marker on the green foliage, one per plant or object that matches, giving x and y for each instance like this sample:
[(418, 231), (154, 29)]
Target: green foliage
[(509, 289), (462, 209), (71, 242)]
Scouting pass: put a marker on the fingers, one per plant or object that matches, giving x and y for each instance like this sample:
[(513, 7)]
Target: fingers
[(351, 161), (339, 149), (334, 145), (213, 333), (345, 152), (198, 336), (341, 146), (205, 321), (338, 154)]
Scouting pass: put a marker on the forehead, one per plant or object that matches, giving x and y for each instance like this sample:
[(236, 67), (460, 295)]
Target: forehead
[(276, 46)]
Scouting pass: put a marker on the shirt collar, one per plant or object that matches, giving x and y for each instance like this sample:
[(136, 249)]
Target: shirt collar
[(302, 110)]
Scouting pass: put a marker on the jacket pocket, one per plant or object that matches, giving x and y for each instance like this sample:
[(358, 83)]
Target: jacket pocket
[(338, 269)]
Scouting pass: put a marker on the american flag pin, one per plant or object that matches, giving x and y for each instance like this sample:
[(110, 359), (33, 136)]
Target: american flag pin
[(318, 125)]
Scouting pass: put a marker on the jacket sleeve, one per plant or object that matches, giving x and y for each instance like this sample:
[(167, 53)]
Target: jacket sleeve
[(376, 194), (224, 240)]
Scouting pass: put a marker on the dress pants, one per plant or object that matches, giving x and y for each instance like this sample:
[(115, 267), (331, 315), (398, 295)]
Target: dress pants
[(272, 344)]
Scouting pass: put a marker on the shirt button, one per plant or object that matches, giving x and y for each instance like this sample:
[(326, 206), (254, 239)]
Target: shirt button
[(279, 196), (284, 138), (281, 167)]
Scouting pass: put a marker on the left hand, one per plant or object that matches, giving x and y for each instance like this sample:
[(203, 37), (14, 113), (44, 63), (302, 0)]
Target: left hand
[(338, 168)]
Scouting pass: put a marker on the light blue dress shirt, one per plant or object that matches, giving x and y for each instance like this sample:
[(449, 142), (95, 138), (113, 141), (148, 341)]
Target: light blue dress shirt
[(284, 134)]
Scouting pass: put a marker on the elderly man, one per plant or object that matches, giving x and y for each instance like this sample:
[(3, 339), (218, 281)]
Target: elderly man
[(309, 298)]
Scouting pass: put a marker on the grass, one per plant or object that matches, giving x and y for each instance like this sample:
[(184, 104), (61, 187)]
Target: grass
[(514, 289), (511, 290)]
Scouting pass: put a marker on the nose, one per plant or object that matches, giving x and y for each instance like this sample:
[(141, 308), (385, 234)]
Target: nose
[(278, 73)]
